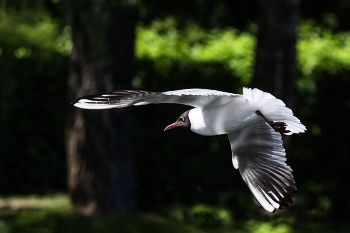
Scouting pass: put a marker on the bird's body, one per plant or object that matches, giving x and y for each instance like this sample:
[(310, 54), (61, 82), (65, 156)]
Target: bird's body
[(221, 119), (252, 122)]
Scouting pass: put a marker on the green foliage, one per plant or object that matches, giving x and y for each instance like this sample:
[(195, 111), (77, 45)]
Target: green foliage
[(266, 227), (164, 44), (320, 50), (52, 214), (29, 31), (203, 215)]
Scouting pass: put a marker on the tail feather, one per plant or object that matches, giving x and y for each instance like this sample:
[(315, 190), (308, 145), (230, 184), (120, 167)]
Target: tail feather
[(295, 127), (274, 109)]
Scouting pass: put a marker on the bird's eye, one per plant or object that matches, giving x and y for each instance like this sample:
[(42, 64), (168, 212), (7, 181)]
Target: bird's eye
[(181, 118)]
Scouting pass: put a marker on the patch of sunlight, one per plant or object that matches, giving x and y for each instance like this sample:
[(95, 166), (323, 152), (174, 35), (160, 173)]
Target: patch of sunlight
[(163, 42), (57, 201), (63, 43), (265, 227), (34, 29), (205, 215), (23, 52), (320, 50)]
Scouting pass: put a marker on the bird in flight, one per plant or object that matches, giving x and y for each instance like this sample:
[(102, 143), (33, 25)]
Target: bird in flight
[(253, 122)]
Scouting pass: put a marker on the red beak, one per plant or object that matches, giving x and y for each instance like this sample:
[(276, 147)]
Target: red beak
[(170, 126)]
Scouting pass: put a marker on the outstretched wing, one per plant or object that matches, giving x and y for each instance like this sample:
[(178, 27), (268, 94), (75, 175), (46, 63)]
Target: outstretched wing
[(119, 99), (259, 154)]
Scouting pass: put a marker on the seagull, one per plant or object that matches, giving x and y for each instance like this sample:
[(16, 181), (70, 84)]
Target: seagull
[(253, 122)]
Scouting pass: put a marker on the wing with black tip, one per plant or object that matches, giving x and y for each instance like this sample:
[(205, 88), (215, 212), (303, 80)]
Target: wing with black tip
[(124, 98), (259, 154)]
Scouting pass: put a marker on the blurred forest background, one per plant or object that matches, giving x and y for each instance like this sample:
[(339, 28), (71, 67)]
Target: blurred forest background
[(180, 44)]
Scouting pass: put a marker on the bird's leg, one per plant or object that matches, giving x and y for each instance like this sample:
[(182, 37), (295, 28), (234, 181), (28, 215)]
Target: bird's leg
[(277, 126)]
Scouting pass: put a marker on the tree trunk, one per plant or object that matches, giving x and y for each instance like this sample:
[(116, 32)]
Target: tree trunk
[(275, 66), (101, 169)]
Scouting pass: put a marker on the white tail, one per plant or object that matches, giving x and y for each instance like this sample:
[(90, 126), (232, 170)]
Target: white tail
[(274, 109)]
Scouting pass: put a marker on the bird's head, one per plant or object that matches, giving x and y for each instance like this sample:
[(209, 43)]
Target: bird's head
[(182, 121)]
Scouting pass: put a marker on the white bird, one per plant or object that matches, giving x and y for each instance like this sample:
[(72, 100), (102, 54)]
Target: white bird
[(253, 122)]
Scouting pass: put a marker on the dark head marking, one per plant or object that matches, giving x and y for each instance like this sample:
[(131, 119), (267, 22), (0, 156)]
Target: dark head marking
[(182, 121)]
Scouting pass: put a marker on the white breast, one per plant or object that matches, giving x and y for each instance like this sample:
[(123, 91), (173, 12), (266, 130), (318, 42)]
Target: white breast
[(197, 122), (223, 119)]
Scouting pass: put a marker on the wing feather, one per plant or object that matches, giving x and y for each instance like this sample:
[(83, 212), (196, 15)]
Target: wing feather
[(261, 160), (119, 99)]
